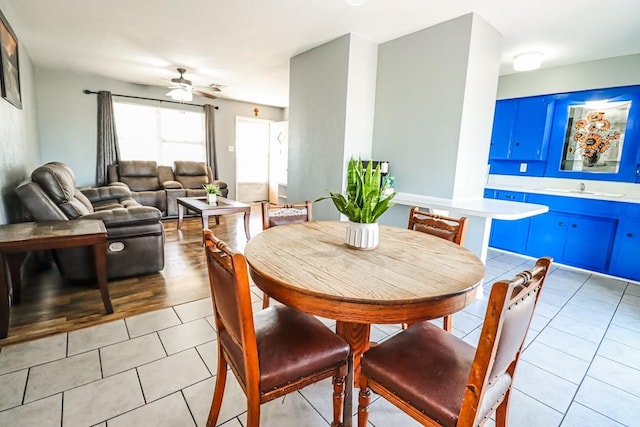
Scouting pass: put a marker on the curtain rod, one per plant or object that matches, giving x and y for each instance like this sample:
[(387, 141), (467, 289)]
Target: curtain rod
[(90, 92)]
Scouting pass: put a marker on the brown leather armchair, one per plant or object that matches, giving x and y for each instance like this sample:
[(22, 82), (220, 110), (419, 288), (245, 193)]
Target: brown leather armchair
[(135, 234)]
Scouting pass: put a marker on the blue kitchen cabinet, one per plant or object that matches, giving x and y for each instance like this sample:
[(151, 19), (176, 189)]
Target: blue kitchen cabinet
[(504, 119), (589, 242), (576, 240), (521, 129), (626, 253), (547, 235), (505, 234)]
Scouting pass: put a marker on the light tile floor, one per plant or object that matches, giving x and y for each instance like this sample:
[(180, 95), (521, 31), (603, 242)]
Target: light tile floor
[(581, 366)]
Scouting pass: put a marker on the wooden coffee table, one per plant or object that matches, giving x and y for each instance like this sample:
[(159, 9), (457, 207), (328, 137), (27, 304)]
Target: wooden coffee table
[(18, 239), (205, 210)]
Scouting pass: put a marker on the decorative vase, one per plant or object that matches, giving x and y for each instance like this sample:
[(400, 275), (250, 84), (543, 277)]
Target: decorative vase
[(591, 161), (362, 236), (212, 199)]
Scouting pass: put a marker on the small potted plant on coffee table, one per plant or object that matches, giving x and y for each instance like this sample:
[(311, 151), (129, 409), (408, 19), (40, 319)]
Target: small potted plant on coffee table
[(366, 199), (213, 191)]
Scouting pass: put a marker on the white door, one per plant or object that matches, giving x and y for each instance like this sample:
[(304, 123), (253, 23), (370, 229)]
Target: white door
[(252, 159)]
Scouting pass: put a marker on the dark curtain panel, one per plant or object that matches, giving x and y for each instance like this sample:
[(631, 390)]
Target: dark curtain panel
[(210, 138), (108, 150)]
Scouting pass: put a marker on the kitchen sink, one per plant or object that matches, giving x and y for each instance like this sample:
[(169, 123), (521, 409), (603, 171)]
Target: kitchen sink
[(585, 192)]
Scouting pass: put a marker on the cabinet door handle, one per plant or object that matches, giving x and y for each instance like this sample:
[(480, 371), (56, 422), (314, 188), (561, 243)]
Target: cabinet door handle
[(517, 144), (509, 197), (561, 224), (629, 234), (574, 226)]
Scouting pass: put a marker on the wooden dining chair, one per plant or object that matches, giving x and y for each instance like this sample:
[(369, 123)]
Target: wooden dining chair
[(452, 229), (440, 380), (275, 352), (274, 215)]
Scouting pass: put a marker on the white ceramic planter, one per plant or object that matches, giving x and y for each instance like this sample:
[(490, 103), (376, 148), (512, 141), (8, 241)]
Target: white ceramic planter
[(362, 236), (212, 199)]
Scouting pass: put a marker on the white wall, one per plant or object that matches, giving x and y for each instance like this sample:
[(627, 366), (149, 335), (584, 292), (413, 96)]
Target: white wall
[(604, 73), (68, 120), (19, 145), (361, 97)]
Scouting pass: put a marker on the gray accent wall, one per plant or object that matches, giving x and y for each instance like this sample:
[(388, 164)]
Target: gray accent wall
[(19, 143), (68, 120), (604, 73), (434, 107), (331, 94)]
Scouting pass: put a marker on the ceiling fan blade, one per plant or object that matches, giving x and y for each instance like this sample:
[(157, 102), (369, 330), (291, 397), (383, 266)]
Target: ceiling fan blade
[(204, 94)]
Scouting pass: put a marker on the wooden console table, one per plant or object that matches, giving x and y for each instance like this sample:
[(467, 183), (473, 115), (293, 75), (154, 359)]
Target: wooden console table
[(18, 239)]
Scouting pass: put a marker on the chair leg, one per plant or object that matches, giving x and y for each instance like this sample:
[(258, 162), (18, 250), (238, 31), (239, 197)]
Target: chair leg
[(253, 412), (218, 391), (447, 322), (265, 300), (502, 411), (364, 397), (338, 400)]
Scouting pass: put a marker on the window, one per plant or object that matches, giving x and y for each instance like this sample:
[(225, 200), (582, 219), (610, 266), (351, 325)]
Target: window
[(148, 132)]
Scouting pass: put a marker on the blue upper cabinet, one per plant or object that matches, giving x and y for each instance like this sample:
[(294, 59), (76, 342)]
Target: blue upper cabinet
[(503, 123), (586, 135), (521, 129)]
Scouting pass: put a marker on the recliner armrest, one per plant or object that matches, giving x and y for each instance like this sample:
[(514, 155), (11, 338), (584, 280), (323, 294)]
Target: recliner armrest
[(171, 185), (99, 194)]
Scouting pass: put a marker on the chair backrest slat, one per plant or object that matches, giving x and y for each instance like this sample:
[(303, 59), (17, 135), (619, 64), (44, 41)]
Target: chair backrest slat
[(452, 229), (274, 215)]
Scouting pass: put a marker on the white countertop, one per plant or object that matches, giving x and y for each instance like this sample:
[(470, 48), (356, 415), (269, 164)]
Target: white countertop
[(597, 190), (487, 208), (594, 195)]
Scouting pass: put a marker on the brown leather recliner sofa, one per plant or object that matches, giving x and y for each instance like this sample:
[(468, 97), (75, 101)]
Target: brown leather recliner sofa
[(160, 186), (134, 232)]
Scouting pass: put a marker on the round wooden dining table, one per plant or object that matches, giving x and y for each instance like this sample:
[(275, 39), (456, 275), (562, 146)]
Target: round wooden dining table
[(410, 276)]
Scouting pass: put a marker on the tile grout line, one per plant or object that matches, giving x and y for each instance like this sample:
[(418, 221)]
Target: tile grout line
[(586, 374)]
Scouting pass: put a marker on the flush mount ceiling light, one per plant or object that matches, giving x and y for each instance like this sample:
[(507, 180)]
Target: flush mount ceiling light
[(181, 94), (356, 2), (527, 61)]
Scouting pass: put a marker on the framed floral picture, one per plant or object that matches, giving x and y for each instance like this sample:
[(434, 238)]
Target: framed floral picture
[(10, 69), (594, 137)]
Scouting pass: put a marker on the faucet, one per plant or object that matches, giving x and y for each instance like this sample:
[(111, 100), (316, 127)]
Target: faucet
[(582, 187)]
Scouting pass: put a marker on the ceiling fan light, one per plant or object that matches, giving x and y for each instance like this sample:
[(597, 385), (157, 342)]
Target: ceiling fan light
[(527, 61), (181, 94)]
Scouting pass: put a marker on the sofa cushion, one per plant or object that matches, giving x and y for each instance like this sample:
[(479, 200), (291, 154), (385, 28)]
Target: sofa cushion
[(140, 175), (189, 168), (191, 174)]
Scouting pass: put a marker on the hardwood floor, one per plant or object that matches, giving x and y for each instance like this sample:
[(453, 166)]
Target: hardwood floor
[(51, 305)]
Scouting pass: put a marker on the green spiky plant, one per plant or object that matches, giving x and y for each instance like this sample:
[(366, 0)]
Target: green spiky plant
[(212, 188), (366, 199)]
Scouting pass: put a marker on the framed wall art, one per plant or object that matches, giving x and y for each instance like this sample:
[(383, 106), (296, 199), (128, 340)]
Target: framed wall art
[(595, 137), (10, 69)]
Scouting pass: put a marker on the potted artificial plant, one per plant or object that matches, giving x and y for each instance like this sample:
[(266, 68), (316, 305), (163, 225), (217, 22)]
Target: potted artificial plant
[(213, 191), (366, 199)]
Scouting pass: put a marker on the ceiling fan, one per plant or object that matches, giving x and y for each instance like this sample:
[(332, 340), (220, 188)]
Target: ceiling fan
[(183, 90)]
